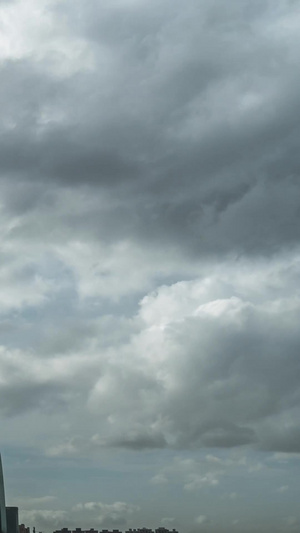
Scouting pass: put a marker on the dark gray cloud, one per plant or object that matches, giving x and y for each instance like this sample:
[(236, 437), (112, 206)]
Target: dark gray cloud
[(18, 399), (194, 132), (142, 441)]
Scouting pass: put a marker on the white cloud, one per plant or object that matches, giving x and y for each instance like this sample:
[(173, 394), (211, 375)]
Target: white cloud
[(174, 356), (113, 513), (187, 340), (283, 489), (159, 479), (49, 519), (202, 520), (168, 521), (41, 37), (196, 482)]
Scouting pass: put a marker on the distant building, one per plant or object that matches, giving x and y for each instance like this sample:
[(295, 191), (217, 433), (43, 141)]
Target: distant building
[(24, 529), (138, 530)]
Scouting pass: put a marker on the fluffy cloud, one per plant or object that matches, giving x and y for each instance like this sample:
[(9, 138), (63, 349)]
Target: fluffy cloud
[(114, 513), (208, 362), (88, 514), (202, 520), (45, 518)]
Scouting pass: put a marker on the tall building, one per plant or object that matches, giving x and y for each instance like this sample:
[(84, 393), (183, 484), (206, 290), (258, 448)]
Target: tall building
[(9, 516), (3, 523), (12, 519)]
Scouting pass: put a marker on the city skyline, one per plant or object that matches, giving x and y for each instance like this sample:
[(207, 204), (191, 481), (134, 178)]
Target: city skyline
[(150, 264)]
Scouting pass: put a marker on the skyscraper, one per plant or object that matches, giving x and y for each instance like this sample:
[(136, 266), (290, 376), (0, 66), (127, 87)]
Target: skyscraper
[(3, 525), (12, 519)]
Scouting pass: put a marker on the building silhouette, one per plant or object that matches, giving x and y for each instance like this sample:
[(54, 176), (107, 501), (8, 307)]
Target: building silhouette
[(9, 516), (24, 529), (138, 530), (3, 523), (12, 519)]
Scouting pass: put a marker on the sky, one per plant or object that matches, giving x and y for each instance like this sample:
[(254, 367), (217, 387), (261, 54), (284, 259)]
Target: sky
[(150, 263)]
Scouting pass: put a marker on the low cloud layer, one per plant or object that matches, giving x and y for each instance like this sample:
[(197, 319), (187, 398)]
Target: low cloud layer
[(90, 513)]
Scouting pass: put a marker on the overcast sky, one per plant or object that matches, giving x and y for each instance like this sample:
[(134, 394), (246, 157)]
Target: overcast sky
[(150, 263)]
